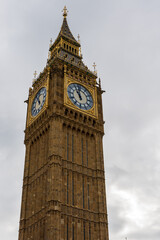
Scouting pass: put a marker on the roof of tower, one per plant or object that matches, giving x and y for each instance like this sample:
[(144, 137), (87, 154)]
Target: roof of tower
[(65, 32), (65, 54)]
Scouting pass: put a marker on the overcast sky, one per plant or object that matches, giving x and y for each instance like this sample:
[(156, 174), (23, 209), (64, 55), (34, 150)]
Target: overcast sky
[(123, 38)]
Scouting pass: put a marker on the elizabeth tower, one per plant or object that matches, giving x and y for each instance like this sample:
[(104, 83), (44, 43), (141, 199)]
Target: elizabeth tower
[(64, 194)]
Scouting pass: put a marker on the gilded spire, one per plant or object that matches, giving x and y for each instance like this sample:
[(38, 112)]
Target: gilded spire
[(65, 11), (65, 33)]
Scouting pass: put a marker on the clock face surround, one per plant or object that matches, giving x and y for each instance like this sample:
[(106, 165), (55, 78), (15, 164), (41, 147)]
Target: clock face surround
[(38, 101), (80, 96)]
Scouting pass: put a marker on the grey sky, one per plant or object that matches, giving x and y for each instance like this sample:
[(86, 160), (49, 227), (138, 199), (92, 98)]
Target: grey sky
[(123, 38)]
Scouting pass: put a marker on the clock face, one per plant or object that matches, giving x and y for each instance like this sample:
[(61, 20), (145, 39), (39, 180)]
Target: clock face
[(38, 101), (80, 96)]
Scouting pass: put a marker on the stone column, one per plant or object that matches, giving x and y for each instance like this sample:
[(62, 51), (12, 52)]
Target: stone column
[(24, 193), (54, 181)]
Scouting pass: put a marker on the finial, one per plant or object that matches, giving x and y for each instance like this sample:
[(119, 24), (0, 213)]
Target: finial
[(65, 11), (80, 51), (30, 91), (79, 38), (99, 82), (35, 74), (50, 44), (94, 65), (49, 55)]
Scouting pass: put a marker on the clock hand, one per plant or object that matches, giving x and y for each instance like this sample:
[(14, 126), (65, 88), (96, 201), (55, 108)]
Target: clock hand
[(80, 95), (78, 92), (38, 101)]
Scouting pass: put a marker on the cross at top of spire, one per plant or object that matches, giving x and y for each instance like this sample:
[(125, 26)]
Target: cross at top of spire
[(65, 11)]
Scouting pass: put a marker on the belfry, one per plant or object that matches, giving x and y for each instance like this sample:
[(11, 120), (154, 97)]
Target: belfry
[(64, 194)]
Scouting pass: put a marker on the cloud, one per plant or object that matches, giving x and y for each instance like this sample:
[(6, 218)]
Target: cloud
[(122, 37)]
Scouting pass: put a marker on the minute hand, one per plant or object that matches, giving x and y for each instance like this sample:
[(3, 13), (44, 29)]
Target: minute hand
[(78, 92)]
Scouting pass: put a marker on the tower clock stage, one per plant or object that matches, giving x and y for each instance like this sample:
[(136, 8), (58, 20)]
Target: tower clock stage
[(63, 195)]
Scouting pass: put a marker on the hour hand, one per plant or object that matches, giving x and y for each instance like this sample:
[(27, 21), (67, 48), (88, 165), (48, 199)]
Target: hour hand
[(38, 101)]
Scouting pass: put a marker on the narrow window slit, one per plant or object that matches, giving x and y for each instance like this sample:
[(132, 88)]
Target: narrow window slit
[(89, 231), (88, 196), (67, 146), (73, 232), (72, 148), (67, 230), (87, 152), (72, 189), (82, 150), (67, 188), (83, 191)]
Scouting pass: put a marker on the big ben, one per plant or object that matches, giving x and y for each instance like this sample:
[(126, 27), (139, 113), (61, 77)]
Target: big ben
[(63, 195)]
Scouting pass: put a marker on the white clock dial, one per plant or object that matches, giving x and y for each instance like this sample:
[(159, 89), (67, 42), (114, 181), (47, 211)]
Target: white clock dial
[(38, 101), (80, 96)]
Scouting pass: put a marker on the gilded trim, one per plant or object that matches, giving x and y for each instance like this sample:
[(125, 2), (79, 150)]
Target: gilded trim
[(30, 118), (93, 90)]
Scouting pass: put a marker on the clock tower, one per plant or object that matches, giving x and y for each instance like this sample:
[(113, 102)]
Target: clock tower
[(64, 194)]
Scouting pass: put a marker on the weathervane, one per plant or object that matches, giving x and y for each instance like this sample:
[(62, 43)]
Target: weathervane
[(65, 11)]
